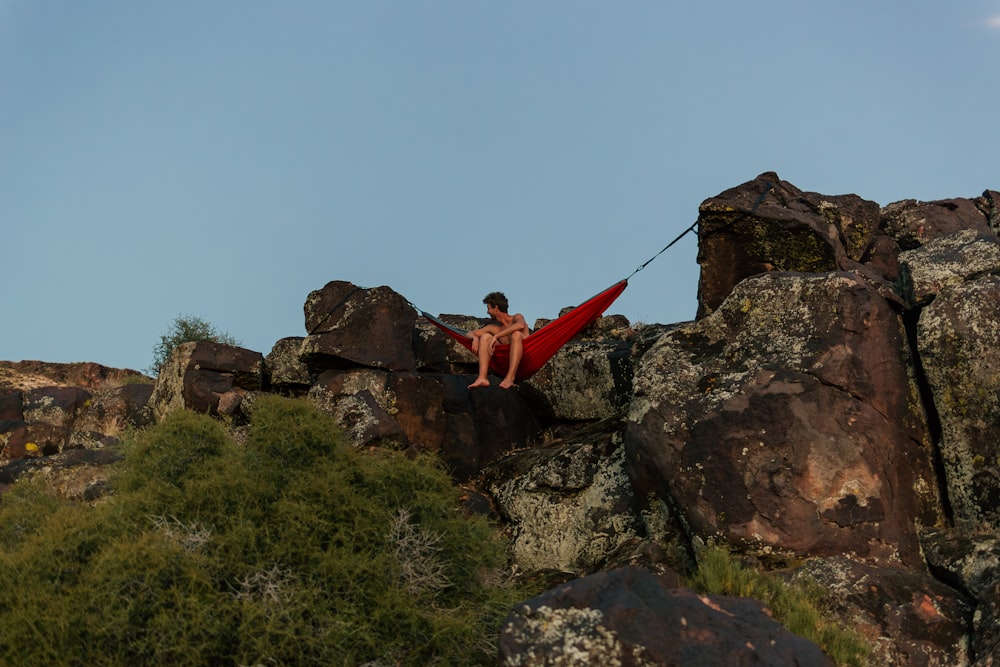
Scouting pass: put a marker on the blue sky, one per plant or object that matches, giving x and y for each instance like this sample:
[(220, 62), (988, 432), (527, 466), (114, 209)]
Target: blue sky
[(223, 158)]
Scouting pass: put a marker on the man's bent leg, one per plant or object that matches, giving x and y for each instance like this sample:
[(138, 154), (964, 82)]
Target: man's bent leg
[(485, 341), (516, 352)]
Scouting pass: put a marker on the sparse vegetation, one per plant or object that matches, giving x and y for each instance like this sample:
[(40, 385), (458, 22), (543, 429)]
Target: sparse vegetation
[(795, 606), (292, 548), (185, 329)]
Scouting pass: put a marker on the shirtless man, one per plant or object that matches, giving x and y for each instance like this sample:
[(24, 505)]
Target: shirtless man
[(511, 330)]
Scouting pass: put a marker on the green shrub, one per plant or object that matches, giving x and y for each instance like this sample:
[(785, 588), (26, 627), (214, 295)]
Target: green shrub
[(798, 607), (26, 507), (182, 447), (292, 548), (185, 329)]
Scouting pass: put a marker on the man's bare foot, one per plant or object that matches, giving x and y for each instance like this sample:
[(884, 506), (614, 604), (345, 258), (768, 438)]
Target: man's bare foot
[(480, 382), (506, 384)]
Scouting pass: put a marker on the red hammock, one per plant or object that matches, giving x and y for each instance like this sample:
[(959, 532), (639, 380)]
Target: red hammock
[(542, 344)]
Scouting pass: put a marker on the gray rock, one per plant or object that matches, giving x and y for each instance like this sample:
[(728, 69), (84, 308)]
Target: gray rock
[(587, 380), (285, 369), (914, 223), (958, 337), (568, 507), (948, 261)]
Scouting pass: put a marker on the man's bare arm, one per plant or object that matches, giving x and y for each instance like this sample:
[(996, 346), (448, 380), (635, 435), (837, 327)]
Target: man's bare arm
[(477, 334)]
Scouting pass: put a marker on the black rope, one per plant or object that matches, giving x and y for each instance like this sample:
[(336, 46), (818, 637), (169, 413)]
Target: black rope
[(682, 235), (753, 209)]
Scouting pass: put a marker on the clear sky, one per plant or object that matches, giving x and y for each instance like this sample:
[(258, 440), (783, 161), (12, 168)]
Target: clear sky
[(224, 158)]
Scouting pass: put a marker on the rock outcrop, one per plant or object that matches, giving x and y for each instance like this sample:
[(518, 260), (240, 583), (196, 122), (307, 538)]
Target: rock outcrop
[(569, 507), (350, 326), (630, 616), (786, 423), (63, 419), (770, 225), (958, 340), (830, 415), (207, 377)]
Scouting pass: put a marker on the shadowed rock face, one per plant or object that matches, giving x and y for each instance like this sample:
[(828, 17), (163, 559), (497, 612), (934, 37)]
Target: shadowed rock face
[(959, 343), (427, 412), (970, 562), (348, 325), (927, 617), (629, 616)]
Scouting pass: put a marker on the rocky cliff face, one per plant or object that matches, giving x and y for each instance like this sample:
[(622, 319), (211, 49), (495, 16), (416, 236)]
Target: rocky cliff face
[(832, 413)]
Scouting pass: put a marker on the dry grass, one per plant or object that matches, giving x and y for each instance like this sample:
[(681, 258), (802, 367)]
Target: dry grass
[(12, 380)]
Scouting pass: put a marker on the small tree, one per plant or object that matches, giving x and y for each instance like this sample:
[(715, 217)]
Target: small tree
[(186, 329)]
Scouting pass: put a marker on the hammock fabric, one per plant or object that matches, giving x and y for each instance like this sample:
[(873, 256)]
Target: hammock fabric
[(542, 344)]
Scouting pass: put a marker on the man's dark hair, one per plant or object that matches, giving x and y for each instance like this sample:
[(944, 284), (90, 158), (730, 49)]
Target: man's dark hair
[(496, 299)]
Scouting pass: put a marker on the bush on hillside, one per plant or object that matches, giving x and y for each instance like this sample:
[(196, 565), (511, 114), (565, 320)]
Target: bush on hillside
[(292, 548), (185, 329)]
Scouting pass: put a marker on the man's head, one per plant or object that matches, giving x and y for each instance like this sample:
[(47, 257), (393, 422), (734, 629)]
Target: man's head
[(497, 300)]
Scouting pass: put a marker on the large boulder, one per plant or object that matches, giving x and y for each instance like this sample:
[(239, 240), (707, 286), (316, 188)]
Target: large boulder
[(970, 562), (286, 372), (429, 412), (908, 618), (958, 337), (947, 261), (587, 380), (351, 326), (568, 507), (58, 406), (630, 616), (770, 225), (197, 376), (115, 408), (913, 223), (787, 423), (361, 403), (437, 352)]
